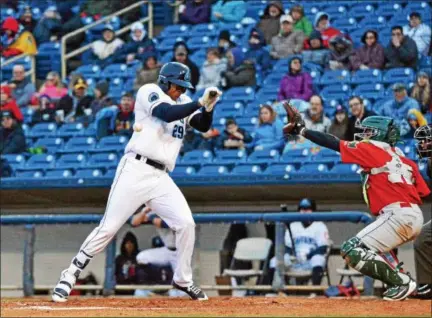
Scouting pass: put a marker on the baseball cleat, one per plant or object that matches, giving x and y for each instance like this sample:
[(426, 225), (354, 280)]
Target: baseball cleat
[(64, 287), (193, 291), (400, 292)]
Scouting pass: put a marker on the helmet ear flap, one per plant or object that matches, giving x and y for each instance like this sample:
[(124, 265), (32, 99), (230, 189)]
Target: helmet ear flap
[(163, 83)]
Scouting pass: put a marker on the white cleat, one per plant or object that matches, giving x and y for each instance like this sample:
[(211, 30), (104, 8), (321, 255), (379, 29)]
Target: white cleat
[(64, 287)]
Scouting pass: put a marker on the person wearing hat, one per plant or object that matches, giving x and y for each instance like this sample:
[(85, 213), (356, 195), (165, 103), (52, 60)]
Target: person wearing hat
[(224, 42), (421, 92), (339, 126), (101, 97), (288, 41), (15, 41), (296, 84), (398, 107), (257, 52), (76, 105), (181, 55), (228, 11), (401, 50), (370, 55), (358, 113), (104, 49), (49, 26), (12, 135), (322, 24), (126, 263), (341, 53), (301, 22), (419, 32), (270, 21), (239, 72), (7, 102), (315, 51), (25, 18)]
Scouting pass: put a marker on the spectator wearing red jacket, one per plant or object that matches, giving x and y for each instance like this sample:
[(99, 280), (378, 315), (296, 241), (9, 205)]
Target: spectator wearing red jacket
[(10, 104), (322, 24), (14, 41)]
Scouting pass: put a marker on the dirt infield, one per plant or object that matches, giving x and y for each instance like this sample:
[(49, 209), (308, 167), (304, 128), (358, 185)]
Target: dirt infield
[(215, 307)]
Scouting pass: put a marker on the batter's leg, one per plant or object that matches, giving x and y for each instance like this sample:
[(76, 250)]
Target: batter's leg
[(423, 255), (157, 256)]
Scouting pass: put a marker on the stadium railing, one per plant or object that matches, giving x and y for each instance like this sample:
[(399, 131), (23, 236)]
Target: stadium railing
[(281, 219), (65, 56)]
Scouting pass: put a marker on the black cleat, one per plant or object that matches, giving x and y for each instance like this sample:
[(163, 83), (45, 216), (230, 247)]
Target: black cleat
[(193, 291)]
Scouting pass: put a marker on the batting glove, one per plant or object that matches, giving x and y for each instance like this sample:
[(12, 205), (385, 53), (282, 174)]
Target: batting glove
[(210, 98)]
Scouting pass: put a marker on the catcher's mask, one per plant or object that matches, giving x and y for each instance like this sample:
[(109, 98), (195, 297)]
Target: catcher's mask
[(423, 135), (378, 128)]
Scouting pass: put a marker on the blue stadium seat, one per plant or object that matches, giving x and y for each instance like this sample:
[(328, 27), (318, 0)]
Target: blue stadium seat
[(89, 173), (112, 143), (197, 157), (246, 170), (59, 173), (255, 9), (326, 155), (417, 6), (343, 168), (167, 43), (199, 57), (175, 30), (335, 10), (426, 63), (373, 22), (196, 43), (90, 131), (183, 171), (265, 96), (79, 144), (345, 23), (313, 168), (312, 67), (336, 91), (15, 160), (371, 76), (398, 75), (29, 174), (213, 170), (116, 88), (361, 10), (273, 79), (247, 123), (51, 144), (232, 156), (370, 91), (296, 155), (115, 70), (279, 169), (208, 29), (389, 9), (40, 161), (103, 160), (236, 29), (263, 156), (70, 129), (167, 57), (42, 130), (110, 173), (335, 77), (89, 71), (71, 161), (252, 109), (243, 94), (356, 36)]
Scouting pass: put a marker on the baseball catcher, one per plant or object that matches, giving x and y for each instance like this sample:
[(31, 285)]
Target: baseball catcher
[(392, 188)]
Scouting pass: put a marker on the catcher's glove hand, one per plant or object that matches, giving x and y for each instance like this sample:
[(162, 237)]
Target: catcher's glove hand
[(295, 121)]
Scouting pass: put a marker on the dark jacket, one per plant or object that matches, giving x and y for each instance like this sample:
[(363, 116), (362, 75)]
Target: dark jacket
[(195, 74), (270, 26), (404, 56), (247, 138), (352, 124), (343, 56), (241, 73), (318, 56), (23, 92), (12, 140), (257, 53), (45, 28), (104, 100), (371, 56), (340, 130), (196, 13), (124, 123), (141, 49), (74, 107), (125, 265)]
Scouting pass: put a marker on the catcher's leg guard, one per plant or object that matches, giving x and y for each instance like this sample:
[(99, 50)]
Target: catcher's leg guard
[(370, 263)]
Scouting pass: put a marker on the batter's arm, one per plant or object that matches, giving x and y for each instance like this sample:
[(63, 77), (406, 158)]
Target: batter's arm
[(169, 113), (201, 121), (321, 139)]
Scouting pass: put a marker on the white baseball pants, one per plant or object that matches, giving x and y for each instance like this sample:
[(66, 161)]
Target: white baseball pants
[(136, 183)]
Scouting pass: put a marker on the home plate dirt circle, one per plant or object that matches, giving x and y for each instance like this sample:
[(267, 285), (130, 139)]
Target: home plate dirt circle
[(215, 307)]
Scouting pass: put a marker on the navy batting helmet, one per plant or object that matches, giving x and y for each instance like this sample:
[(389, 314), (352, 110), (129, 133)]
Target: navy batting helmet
[(176, 73)]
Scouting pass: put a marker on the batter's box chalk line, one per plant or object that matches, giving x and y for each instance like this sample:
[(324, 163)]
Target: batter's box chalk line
[(56, 308)]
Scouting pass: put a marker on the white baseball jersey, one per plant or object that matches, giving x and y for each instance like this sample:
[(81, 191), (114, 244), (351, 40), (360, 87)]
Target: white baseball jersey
[(158, 140), (307, 239)]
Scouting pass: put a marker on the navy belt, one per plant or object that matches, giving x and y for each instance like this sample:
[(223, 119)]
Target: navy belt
[(172, 249), (152, 163)]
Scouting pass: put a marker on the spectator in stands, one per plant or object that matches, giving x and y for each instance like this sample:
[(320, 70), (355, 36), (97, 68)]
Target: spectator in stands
[(401, 50), (7, 102), (211, 70), (239, 73), (22, 87), (126, 264), (228, 11), (288, 41), (301, 22), (339, 126), (296, 83), (225, 43), (209, 139), (421, 92), (341, 53), (49, 27), (11, 134), (370, 55), (149, 72), (44, 109), (234, 137), (419, 32), (415, 120), (181, 55), (316, 52), (76, 105), (322, 24), (314, 117), (195, 12), (398, 107), (359, 112), (98, 9), (25, 18), (138, 46), (268, 133), (270, 21), (101, 97), (14, 41), (128, 17), (125, 116), (105, 48), (257, 52), (191, 140), (53, 86)]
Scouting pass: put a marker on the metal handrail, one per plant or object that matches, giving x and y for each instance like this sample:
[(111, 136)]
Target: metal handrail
[(31, 72), (65, 56), (176, 4)]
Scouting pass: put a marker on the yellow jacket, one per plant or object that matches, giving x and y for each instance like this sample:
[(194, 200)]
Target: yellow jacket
[(25, 43)]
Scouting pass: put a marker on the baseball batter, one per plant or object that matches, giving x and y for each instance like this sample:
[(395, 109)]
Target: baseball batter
[(392, 188), (162, 112)]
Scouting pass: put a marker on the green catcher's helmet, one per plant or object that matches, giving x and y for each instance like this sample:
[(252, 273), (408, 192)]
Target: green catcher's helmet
[(378, 128)]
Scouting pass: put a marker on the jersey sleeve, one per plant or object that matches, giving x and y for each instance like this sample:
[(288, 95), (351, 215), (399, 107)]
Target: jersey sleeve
[(148, 97), (357, 152), (288, 242), (322, 236)]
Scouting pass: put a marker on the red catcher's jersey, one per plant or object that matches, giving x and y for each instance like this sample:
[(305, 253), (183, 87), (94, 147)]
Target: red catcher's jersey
[(387, 177)]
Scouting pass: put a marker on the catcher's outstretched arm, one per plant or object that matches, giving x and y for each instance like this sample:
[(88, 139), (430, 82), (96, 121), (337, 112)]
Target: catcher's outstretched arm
[(321, 139)]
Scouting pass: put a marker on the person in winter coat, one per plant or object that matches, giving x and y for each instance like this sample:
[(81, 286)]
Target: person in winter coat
[(358, 113), (270, 21), (234, 137), (398, 107), (301, 22), (101, 98), (22, 87), (181, 55), (7, 102), (11, 134), (268, 133), (419, 32), (25, 18), (401, 50), (211, 70), (322, 24), (339, 126), (228, 11), (125, 116), (239, 73), (53, 86), (370, 55), (75, 106), (49, 26), (44, 109), (196, 12), (149, 72), (225, 43), (257, 52), (126, 263), (421, 92), (14, 41), (288, 41), (296, 83), (316, 53), (314, 117), (105, 48), (341, 52), (415, 120), (138, 47)]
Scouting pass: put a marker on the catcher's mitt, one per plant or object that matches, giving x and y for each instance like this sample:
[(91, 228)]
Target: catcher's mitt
[(295, 122)]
